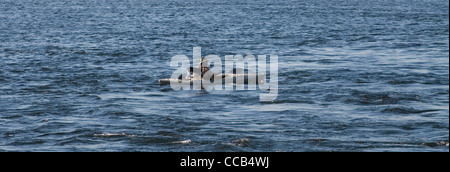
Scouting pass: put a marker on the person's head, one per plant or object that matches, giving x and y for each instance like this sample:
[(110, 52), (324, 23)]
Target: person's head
[(203, 62)]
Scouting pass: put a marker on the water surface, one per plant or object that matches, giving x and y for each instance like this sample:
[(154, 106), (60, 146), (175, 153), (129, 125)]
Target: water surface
[(353, 75)]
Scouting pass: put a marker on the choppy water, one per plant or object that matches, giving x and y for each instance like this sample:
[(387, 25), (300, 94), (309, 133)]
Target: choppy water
[(368, 75)]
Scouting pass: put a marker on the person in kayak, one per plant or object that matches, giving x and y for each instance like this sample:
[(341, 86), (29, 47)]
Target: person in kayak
[(202, 67), (200, 71)]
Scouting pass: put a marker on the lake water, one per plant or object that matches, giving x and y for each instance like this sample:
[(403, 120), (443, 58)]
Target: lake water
[(367, 75)]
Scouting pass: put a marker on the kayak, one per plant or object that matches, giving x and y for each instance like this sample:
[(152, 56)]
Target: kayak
[(247, 78)]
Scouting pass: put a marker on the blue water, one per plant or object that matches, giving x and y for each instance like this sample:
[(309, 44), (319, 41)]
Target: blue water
[(356, 75)]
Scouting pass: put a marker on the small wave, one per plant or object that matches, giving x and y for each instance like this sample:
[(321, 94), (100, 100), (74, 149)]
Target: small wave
[(124, 52), (166, 89), (317, 140), (398, 82), (367, 98), (322, 61), (401, 110), (182, 141), (28, 142), (406, 45), (372, 98), (243, 142), (436, 144), (110, 135), (364, 39), (313, 42), (289, 101), (52, 50), (436, 81)]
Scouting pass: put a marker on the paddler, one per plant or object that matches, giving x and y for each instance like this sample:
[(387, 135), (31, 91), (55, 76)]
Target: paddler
[(202, 67)]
